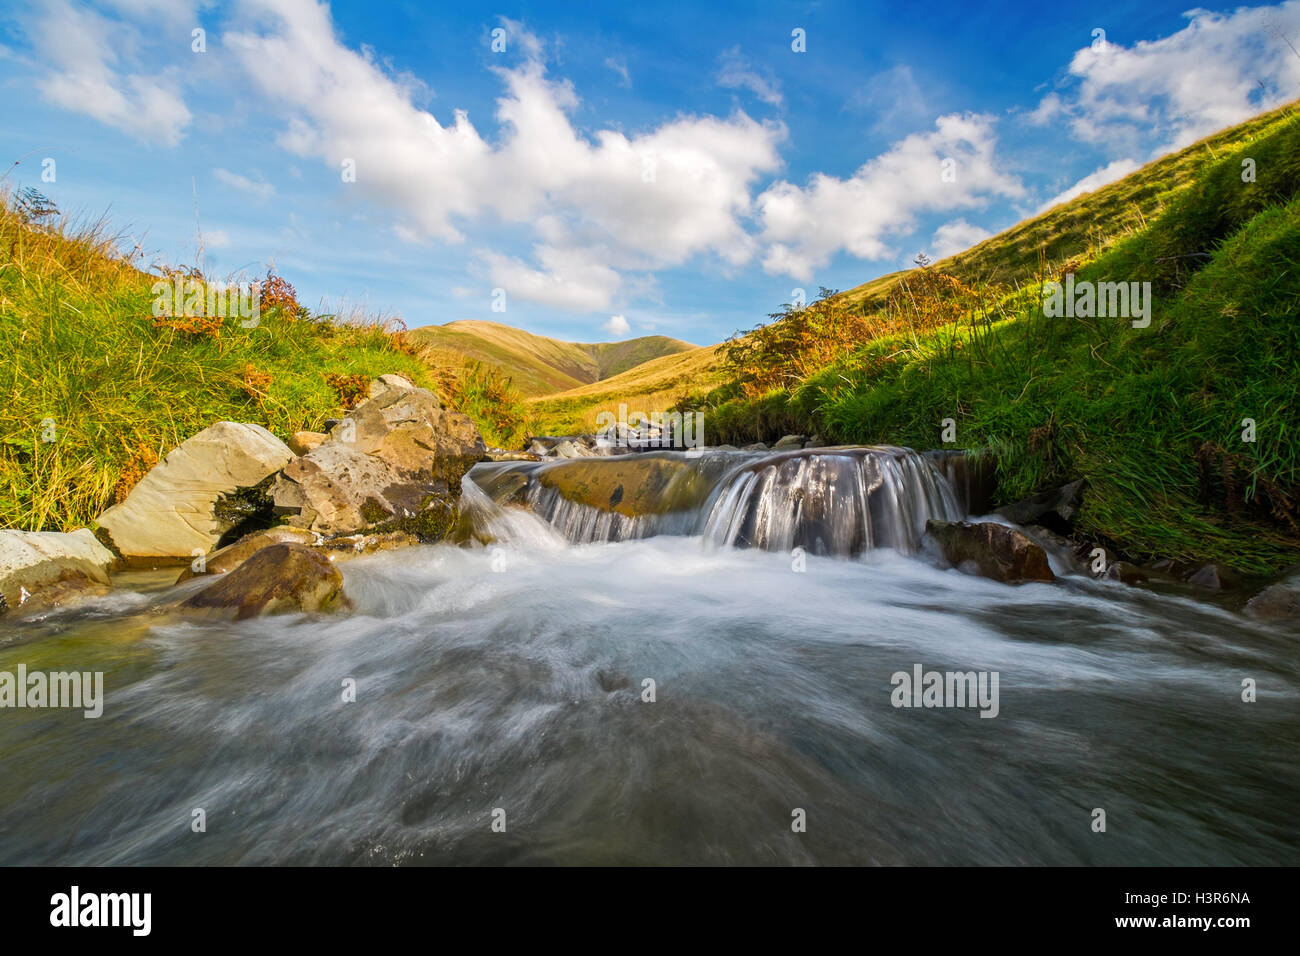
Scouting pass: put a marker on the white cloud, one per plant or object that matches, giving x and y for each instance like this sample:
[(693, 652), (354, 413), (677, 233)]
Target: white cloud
[(893, 99), (254, 187), (83, 50), (1094, 180), (216, 239), (1218, 70), (737, 73), (599, 205), (805, 226), (956, 236), (617, 325), (619, 67)]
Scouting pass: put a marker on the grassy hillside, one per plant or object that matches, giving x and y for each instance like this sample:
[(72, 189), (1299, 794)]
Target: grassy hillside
[(1154, 418), (94, 389), (538, 365), (658, 385)]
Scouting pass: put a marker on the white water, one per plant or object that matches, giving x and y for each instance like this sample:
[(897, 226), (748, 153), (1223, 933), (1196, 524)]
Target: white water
[(510, 676)]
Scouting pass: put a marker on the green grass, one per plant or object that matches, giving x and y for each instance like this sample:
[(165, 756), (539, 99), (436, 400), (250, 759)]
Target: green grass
[(86, 365), (1151, 418)]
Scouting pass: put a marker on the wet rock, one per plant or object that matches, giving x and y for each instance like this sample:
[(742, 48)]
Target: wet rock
[(814, 442), (51, 567), (357, 544), (1055, 509), (282, 578), (233, 555), (173, 511), (756, 446), (571, 449), (631, 486), (302, 442), (994, 550), (790, 442), (500, 454), (1214, 577), (1277, 602), (394, 464)]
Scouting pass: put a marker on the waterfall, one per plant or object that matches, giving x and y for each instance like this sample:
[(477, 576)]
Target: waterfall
[(838, 501)]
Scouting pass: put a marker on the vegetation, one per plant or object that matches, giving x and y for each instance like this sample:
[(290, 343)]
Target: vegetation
[(538, 365), (1154, 418), (95, 388)]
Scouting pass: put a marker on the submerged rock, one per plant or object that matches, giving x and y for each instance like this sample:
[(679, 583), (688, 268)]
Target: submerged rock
[(278, 579), (994, 550), (51, 567), (395, 463), (173, 512)]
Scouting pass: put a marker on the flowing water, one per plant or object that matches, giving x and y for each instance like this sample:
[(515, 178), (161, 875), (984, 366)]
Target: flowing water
[(506, 682)]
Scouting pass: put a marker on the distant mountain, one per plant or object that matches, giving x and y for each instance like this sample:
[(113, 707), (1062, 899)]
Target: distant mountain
[(539, 365)]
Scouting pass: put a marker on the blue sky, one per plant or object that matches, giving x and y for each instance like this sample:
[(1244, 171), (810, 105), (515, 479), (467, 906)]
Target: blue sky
[(671, 168)]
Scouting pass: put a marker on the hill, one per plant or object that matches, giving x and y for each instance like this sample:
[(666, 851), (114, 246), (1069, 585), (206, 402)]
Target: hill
[(538, 365)]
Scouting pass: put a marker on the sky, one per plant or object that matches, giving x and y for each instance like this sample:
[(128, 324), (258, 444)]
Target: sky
[(597, 174)]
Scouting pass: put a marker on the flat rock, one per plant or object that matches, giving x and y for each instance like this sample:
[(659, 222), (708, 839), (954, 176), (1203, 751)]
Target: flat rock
[(172, 512)]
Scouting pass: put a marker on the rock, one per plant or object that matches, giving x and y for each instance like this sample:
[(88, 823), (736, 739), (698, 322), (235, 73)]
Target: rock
[(1277, 602), (173, 511), (725, 448), (49, 566), (790, 442), (631, 486), (395, 463), (756, 446), (1055, 509), (998, 552), (278, 579), (1214, 577), (1125, 572), (233, 555), (388, 383), (355, 544), (572, 449), (814, 442), (302, 442), (500, 454)]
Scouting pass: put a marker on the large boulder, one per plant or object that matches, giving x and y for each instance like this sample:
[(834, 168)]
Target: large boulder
[(173, 511), (279, 579), (395, 463), (35, 564), (993, 550), (631, 485)]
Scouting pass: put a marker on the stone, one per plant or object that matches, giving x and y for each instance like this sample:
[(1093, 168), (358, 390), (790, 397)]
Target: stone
[(302, 442), (756, 446), (814, 442), (388, 383), (395, 463), (995, 550), (790, 442), (1277, 602), (631, 486), (232, 556), (172, 512), (1126, 573), (37, 562), (1055, 509), (1214, 577), (279, 579)]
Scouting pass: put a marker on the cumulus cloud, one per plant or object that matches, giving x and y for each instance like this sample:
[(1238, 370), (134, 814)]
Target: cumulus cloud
[(805, 226), (737, 73), (1094, 180), (1164, 94), (956, 236), (86, 74), (601, 204), (617, 325)]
